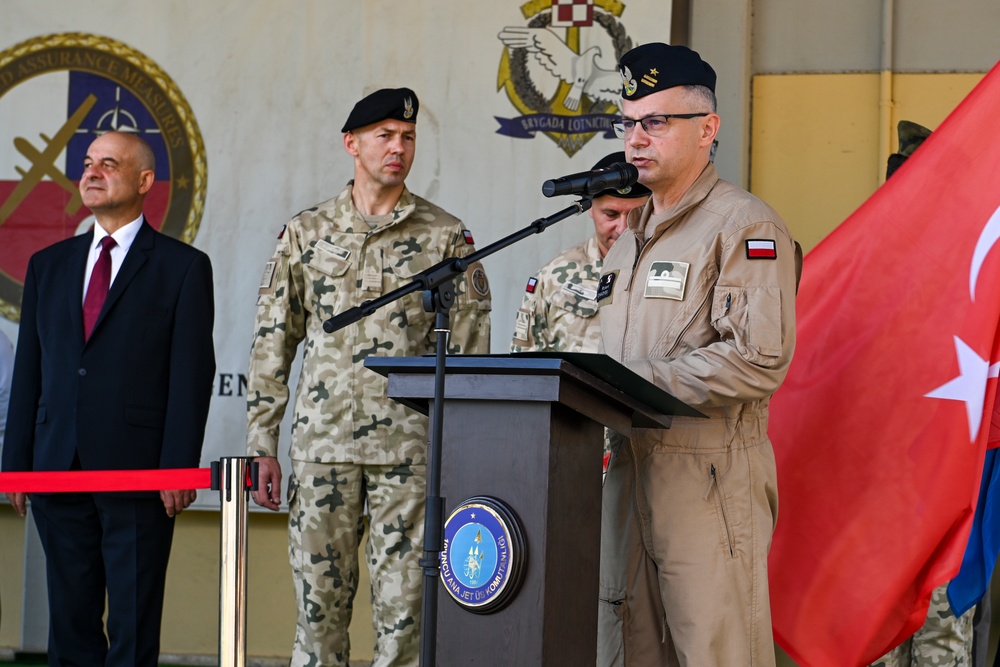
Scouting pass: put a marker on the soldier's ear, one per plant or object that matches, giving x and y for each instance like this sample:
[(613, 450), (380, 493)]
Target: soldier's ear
[(351, 144), (709, 128)]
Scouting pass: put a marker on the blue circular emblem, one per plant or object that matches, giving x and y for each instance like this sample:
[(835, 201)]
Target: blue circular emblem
[(483, 560)]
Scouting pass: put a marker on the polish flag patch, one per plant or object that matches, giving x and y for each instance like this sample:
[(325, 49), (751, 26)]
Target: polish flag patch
[(761, 249), (468, 236), (530, 288)]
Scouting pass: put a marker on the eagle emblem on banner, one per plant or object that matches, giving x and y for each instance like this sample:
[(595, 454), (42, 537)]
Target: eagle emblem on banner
[(561, 71)]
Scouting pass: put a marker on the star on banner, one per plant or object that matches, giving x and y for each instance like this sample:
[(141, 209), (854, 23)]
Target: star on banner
[(970, 386)]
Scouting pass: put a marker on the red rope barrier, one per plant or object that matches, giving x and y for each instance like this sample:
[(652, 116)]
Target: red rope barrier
[(105, 480)]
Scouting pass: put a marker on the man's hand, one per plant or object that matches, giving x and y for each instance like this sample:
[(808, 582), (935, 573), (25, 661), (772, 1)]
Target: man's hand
[(19, 502), (268, 493), (176, 502)]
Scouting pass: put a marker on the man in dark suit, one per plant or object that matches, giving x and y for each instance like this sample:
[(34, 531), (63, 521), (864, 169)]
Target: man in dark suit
[(110, 378)]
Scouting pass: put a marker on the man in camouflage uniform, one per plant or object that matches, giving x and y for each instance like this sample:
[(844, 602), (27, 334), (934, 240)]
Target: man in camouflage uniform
[(357, 456), (559, 309)]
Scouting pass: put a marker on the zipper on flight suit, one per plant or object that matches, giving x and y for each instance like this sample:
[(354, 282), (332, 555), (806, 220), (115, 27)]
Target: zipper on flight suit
[(717, 484)]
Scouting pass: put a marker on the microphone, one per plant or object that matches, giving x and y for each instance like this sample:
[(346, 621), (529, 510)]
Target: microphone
[(615, 177)]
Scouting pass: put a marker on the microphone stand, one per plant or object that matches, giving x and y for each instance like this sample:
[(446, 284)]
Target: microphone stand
[(438, 286)]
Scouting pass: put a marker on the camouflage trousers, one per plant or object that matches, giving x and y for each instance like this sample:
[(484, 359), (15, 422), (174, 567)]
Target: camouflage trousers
[(326, 521), (942, 641)]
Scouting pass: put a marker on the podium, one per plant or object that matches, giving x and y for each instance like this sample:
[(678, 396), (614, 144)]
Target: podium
[(527, 430)]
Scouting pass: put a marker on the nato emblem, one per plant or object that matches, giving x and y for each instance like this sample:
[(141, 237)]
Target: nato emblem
[(484, 556)]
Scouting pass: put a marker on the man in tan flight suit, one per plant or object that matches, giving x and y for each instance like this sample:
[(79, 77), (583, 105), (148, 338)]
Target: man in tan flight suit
[(697, 296)]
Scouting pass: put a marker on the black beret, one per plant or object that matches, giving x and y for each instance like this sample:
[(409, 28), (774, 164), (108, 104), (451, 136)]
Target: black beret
[(654, 67), (395, 103), (631, 192)]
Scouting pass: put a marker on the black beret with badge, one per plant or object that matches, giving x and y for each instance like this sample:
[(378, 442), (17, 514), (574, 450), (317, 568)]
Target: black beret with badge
[(631, 192), (384, 104), (651, 68)]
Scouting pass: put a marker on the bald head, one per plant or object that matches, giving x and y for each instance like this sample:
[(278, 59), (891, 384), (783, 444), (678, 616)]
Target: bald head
[(118, 172)]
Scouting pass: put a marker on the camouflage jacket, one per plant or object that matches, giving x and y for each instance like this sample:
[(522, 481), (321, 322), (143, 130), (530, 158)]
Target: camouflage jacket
[(559, 309), (328, 260)]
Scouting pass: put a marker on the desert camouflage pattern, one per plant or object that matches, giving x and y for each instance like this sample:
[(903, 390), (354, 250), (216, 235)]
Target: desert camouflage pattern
[(942, 641), (329, 260), (358, 458), (325, 526), (561, 314)]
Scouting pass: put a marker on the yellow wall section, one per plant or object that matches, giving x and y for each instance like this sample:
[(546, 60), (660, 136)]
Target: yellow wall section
[(814, 139)]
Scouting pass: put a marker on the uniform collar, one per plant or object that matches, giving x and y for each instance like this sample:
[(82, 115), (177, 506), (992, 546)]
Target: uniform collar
[(403, 208), (640, 220)]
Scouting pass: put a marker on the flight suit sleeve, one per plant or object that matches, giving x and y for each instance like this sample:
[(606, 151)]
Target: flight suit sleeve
[(278, 330)]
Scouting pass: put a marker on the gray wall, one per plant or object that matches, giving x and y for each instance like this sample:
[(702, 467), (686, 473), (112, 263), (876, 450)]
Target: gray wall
[(845, 36)]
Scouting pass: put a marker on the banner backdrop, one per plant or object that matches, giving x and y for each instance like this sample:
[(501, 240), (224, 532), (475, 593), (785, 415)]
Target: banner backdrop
[(243, 101)]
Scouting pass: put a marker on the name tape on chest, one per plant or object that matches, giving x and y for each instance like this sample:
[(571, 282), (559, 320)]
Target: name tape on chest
[(335, 250), (582, 291)]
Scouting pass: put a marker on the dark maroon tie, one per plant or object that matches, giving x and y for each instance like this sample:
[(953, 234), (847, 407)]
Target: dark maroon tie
[(97, 290)]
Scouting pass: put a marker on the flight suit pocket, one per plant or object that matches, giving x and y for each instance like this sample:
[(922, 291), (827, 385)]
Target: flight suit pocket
[(749, 317)]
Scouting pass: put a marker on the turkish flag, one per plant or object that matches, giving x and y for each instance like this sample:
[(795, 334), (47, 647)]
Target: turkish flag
[(881, 426)]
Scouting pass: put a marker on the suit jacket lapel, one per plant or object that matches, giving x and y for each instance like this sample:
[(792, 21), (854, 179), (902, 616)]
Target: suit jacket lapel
[(75, 267)]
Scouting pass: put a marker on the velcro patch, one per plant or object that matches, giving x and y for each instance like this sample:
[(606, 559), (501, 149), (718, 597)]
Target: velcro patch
[(476, 276), (667, 280), (606, 285), (761, 249), (521, 326), (532, 284), (580, 291)]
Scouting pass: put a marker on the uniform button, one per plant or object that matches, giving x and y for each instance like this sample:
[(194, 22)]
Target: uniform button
[(82, 372)]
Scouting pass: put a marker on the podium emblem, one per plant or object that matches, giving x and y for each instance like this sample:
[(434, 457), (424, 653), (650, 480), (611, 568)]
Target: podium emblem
[(484, 555)]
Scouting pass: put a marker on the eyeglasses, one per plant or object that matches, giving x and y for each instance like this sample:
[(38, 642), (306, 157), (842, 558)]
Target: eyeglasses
[(654, 126)]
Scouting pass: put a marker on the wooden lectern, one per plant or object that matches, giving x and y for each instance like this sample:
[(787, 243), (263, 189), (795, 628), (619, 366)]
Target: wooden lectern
[(527, 429)]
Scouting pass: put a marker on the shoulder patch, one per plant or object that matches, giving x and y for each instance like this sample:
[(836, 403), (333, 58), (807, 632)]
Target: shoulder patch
[(761, 249), (282, 232), (468, 236), (476, 277), (532, 284)]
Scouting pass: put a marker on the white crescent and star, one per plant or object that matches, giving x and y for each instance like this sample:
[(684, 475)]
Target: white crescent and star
[(974, 371)]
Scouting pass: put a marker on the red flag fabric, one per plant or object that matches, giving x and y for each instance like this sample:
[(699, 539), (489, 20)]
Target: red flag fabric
[(880, 428)]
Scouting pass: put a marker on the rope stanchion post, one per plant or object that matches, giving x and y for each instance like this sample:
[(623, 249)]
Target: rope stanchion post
[(234, 478)]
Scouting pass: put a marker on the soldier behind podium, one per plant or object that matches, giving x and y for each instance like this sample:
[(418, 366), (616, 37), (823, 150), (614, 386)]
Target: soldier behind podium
[(559, 310), (698, 297), (357, 457)]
